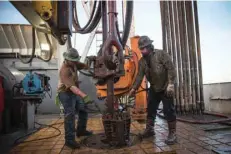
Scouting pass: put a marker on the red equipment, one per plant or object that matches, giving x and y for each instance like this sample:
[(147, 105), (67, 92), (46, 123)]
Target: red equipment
[(1, 101), (1, 95)]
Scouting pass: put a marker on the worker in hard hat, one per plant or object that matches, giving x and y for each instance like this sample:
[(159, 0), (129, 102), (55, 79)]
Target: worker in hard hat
[(72, 98), (159, 70)]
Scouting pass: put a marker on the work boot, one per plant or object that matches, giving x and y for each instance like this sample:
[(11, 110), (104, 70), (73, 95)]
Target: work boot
[(72, 144), (149, 131), (83, 133), (172, 139)]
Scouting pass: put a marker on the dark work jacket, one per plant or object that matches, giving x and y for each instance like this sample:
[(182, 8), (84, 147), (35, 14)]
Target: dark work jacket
[(159, 72)]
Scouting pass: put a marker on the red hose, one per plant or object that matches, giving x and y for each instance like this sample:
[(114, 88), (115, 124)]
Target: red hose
[(1, 95), (1, 101), (216, 114), (227, 119), (204, 122)]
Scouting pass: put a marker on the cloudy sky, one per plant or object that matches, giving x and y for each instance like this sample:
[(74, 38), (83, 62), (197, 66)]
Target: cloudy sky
[(215, 32)]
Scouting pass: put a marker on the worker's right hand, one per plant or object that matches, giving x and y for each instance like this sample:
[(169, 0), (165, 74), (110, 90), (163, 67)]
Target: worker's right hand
[(131, 92), (170, 90), (87, 99)]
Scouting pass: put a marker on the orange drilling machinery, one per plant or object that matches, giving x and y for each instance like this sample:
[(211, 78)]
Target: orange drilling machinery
[(124, 84)]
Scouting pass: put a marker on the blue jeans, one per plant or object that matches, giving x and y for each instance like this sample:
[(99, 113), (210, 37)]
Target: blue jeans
[(72, 104)]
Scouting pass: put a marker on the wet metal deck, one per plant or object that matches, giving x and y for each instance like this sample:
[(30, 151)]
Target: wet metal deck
[(191, 139)]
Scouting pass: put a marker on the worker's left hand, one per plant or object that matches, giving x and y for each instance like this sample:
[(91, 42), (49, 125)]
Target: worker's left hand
[(170, 90), (91, 58), (87, 100)]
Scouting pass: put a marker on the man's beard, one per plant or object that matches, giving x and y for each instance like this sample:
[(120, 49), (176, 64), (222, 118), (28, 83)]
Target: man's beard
[(146, 54)]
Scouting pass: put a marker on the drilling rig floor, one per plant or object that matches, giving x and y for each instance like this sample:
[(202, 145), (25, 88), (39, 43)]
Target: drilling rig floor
[(192, 138)]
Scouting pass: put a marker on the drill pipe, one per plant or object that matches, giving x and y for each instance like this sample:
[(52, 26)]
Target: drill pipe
[(112, 40), (197, 92), (163, 20), (200, 78), (104, 19), (181, 46), (191, 52), (110, 81), (186, 56), (173, 41), (184, 105), (181, 40), (179, 57), (167, 26)]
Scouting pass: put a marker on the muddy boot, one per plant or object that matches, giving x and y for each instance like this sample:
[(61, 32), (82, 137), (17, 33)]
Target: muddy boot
[(72, 144), (149, 131), (83, 133), (172, 139), (82, 125)]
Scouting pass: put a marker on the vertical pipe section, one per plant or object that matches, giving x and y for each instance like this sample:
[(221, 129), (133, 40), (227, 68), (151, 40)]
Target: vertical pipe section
[(179, 57), (173, 44), (181, 40), (201, 96), (194, 58), (104, 20), (167, 26), (190, 50), (182, 51), (122, 3), (104, 24), (182, 32), (110, 81), (163, 20)]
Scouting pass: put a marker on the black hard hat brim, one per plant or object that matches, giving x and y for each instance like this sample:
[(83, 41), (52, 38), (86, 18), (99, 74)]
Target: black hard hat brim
[(146, 44)]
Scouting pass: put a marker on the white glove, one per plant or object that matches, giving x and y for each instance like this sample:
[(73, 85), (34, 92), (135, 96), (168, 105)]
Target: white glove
[(170, 90)]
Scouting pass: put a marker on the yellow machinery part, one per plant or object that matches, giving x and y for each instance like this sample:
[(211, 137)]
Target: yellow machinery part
[(44, 9)]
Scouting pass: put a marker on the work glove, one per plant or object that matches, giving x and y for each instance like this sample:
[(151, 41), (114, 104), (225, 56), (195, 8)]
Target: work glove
[(170, 90), (131, 93), (87, 100), (91, 58), (57, 101)]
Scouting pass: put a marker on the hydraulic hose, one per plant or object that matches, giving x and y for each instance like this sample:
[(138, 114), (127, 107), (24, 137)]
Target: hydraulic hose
[(204, 122), (118, 32), (90, 19), (33, 48), (227, 119), (69, 41), (127, 26), (51, 50), (44, 126), (94, 22)]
